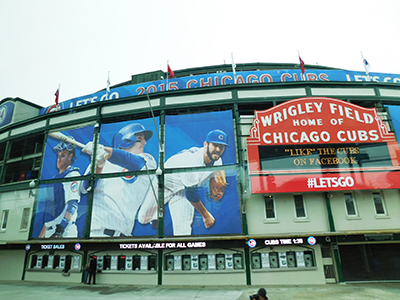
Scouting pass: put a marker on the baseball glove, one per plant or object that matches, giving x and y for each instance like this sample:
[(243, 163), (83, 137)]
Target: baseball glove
[(218, 185)]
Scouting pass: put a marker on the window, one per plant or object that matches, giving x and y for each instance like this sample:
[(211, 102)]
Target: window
[(350, 205), (4, 219), (379, 205), (299, 205), (270, 207), (25, 218)]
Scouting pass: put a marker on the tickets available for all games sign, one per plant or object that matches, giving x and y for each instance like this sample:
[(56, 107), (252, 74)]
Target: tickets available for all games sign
[(321, 144)]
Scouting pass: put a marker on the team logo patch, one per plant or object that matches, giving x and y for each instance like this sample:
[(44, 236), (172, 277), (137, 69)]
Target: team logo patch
[(221, 137), (312, 240), (78, 246), (74, 187), (128, 178), (252, 243)]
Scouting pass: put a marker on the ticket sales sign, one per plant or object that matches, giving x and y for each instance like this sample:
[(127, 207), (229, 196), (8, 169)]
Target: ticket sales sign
[(321, 144)]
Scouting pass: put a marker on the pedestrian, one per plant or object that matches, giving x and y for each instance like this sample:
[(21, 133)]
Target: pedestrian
[(86, 270), (261, 295), (92, 270)]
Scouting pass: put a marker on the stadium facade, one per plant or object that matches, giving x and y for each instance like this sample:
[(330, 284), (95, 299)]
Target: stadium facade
[(310, 190)]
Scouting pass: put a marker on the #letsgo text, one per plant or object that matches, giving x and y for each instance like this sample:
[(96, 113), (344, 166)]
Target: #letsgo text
[(330, 182)]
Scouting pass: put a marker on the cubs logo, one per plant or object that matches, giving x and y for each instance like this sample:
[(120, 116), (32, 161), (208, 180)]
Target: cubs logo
[(3, 114), (74, 187), (128, 178), (312, 240), (252, 243), (53, 108)]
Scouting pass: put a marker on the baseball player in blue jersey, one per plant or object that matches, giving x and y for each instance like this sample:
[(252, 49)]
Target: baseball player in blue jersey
[(62, 198), (117, 200), (185, 191)]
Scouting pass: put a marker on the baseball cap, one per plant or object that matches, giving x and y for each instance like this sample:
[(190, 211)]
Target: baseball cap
[(217, 137), (262, 292)]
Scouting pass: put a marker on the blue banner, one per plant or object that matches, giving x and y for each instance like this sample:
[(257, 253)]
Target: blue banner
[(218, 79)]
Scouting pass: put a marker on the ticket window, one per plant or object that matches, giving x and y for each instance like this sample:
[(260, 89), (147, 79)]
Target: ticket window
[(291, 259), (68, 261), (62, 261), (309, 259), (273, 260), (45, 261), (211, 261), (152, 266), (186, 262), (100, 263), (229, 261), (121, 262), (136, 262), (194, 259), (178, 262), (39, 262), (256, 260), (282, 260), (50, 262), (114, 262), (144, 262), (237, 261), (107, 262), (265, 260), (33, 261), (56, 262), (76, 262), (203, 262), (300, 259), (169, 263), (220, 261), (129, 263)]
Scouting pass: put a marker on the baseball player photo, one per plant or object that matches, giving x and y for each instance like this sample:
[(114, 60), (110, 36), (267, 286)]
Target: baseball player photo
[(58, 203), (122, 148), (190, 195)]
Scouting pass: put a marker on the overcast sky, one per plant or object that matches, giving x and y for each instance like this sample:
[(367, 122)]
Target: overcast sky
[(75, 43)]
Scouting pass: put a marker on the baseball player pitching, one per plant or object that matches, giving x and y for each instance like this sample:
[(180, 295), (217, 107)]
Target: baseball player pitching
[(62, 198), (117, 200), (184, 191)]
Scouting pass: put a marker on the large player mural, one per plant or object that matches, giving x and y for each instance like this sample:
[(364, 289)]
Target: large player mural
[(124, 147), (60, 207), (321, 144), (200, 201)]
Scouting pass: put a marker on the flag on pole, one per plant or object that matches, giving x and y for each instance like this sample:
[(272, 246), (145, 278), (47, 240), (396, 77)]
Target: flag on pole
[(301, 65), (108, 84), (57, 94), (170, 72), (233, 69), (367, 66)]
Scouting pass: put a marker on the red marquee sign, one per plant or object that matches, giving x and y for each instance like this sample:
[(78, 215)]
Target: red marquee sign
[(321, 144)]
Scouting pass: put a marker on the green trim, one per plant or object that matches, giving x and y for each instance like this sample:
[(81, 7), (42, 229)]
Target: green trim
[(330, 216), (248, 265)]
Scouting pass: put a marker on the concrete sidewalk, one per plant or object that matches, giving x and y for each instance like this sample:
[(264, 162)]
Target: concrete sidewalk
[(18, 290)]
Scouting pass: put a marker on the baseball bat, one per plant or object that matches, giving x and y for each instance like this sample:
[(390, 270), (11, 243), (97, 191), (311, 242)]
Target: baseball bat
[(63, 137)]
